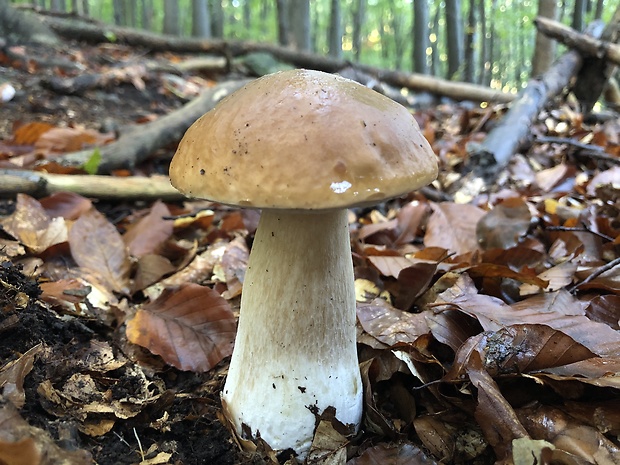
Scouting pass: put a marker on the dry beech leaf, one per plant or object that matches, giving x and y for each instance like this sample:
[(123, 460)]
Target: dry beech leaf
[(602, 372), (390, 266), (191, 328), (505, 225), (390, 325), (499, 422), (150, 232), (393, 454), (569, 435), (66, 204), (605, 309), (558, 310), (33, 227), (452, 226), (12, 376), (519, 349), (99, 250)]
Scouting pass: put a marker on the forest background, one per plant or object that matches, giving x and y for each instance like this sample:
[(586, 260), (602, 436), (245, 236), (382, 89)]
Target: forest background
[(488, 42)]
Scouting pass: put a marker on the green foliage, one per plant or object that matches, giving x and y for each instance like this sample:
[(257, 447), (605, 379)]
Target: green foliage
[(92, 164), (386, 32)]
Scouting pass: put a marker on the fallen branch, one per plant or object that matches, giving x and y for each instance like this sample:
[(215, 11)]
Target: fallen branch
[(488, 159), (40, 184), (100, 33), (139, 143), (582, 42)]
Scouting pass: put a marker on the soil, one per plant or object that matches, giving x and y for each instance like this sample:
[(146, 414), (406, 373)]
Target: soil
[(191, 433)]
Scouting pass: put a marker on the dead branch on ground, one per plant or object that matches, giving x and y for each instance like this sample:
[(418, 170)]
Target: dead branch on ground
[(141, 141)]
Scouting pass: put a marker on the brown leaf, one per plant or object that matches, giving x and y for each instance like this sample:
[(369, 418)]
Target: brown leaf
[(505, 225), (66, 204), (12, 376), (148, 234), (150, 269), (191, 328), (33, 227), (393, 454), (453, 227), (390, 325), (99, 250), (605, 309), (494, 414), (558, 310), (596, 371), (390, 265)]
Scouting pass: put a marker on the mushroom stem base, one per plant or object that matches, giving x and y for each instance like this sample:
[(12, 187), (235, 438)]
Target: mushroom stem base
[(295, 351)]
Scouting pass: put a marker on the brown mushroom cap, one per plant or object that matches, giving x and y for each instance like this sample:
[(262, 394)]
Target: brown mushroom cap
[(303, 140)]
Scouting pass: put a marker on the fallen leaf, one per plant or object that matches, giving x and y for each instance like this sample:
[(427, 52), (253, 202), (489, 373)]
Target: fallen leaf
[(99, 250), (504, 225), (452, 226), (66, 205), (191, 328), (393, 454), (390, 325), (13, 374), (149, 234)]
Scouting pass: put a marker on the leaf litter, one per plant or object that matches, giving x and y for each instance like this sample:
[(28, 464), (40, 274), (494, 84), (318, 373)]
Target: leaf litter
[(487, 331)]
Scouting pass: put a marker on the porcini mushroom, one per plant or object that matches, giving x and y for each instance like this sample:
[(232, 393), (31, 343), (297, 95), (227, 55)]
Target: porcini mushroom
[(303, 146)]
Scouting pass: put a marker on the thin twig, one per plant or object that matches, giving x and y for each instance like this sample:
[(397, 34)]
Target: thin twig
[(579, 229), (599, 271)]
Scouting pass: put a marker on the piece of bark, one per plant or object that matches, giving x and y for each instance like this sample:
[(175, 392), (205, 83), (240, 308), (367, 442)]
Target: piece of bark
[(41, 184), (140, 142), (100, 33), (488, 159)]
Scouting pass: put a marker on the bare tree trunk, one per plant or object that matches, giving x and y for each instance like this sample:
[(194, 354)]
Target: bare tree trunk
[(59, 5), (470, 38), (335, 30), (119, 13), (201, 23), (579, 14), (420, 36), (217, 18), (247, 15), (359, 15), (283, 23), (485, 62), (147, 15), (299, 11), (598, 12), (171, 17), (454, 35), (544, 50)]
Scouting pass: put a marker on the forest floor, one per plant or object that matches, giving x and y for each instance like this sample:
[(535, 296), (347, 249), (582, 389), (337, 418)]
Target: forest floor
[(487, 331)]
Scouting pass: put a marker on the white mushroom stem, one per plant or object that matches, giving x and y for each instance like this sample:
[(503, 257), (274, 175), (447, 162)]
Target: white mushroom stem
[(295, 352)]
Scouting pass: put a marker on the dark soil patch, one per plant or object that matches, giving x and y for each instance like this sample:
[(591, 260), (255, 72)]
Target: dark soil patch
[(179, 418)]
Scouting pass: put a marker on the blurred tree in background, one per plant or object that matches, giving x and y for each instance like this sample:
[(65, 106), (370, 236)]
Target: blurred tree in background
[(490, 42)]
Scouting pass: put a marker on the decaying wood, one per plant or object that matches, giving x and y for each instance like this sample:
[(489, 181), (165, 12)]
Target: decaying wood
[(488, 159), (100, 33), (40, 184), (582, 42), (141, 141)]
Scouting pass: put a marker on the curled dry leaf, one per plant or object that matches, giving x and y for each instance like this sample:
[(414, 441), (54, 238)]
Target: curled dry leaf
[(12, 377), (452, 226), (33, 227), (191, 328), (66, 204), (505, 225), (393, 454), (150, 232), (390, 325), (99, 250)]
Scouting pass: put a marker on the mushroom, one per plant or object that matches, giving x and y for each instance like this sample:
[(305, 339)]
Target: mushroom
[(303, 146)]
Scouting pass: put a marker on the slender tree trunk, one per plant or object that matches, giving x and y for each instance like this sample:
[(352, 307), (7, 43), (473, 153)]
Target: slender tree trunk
[(470, 40), (147, 15), (598, 12), (335, 30), (483, 43), (399, 42), (201, 23), (58, 5), (421, 42), (247, 15), (283, 22), (385, 46), (579, 15), (119, 13), (359, 16), (454, 35), (299, 12), (217, 18), (492, 52), (171, 17), (131, 14), (544, 49), (434, 51)]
